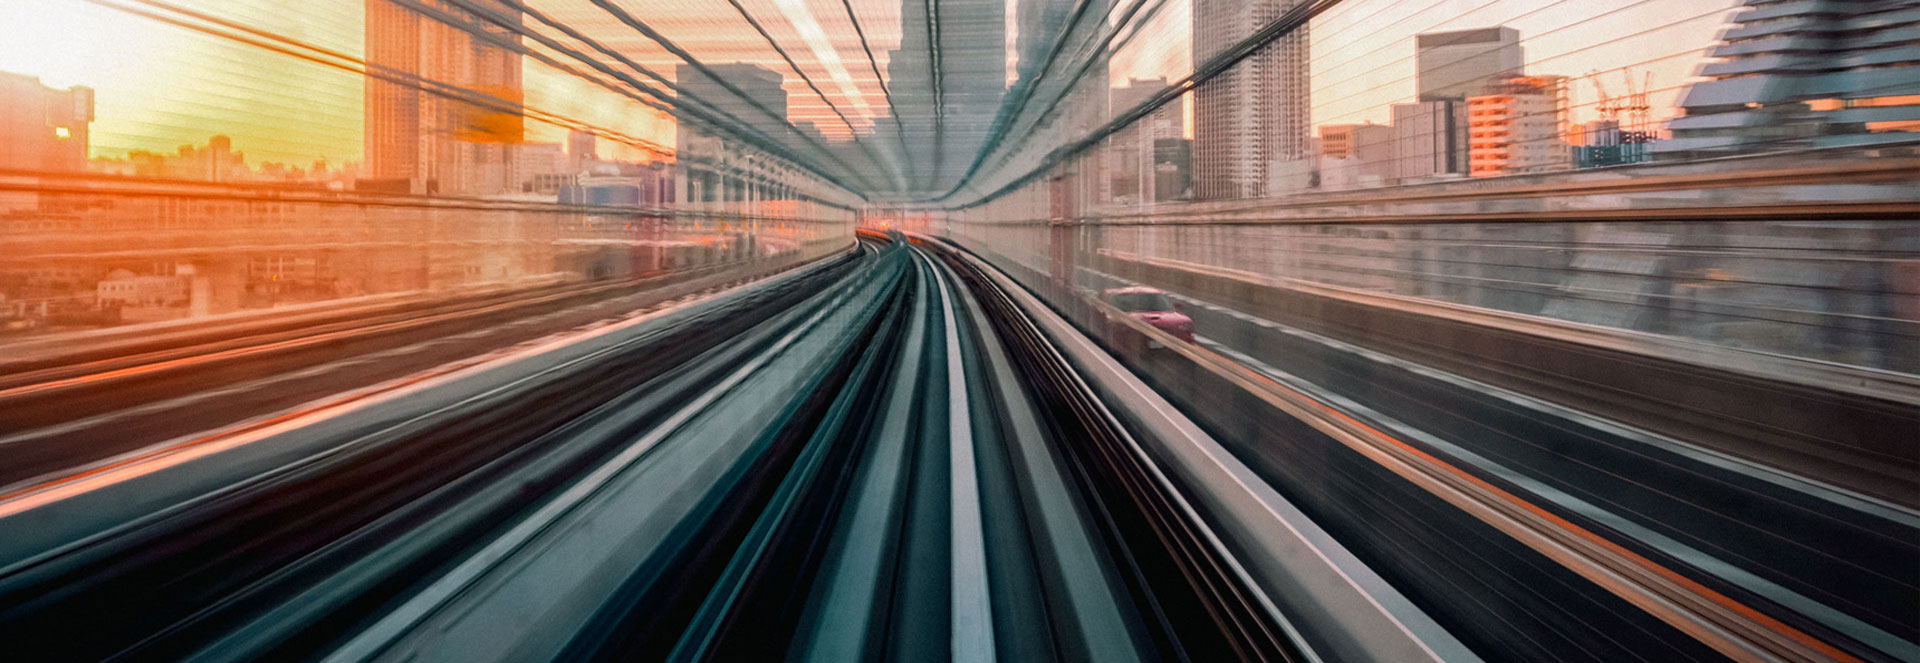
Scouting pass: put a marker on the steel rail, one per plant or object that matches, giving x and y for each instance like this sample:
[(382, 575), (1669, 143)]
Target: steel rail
[(1316, 588), (310, 476), (1233, 619), (972, 639)]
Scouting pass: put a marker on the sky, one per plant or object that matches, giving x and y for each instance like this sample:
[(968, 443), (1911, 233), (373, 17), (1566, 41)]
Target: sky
[(159, 86)]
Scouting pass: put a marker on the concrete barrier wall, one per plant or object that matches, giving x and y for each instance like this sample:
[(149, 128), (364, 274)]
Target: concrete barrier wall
[(1845, 438)]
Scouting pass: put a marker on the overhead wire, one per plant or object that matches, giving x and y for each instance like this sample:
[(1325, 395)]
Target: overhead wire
[(777, 48), (1022, 144), (937, 85), (886, 91), (320, 55), (647, 30), (1288, 21), (1016, 100), (1091, 54), (696, 105)]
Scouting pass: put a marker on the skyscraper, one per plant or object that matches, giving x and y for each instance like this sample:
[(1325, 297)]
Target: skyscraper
[(713, 170), (947, 129), (1454, 65), (1039, 23), (458, 143), (1793, 75), (763, 108), (41, 128), (1250, 134), (1085, 105), (1134, 151)]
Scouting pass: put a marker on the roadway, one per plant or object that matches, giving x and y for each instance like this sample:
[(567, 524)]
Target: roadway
[(1831, 569)]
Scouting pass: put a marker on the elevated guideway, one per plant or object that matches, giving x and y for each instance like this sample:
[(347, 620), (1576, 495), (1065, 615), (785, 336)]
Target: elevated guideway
[(905, 451), (1519, 418), (971, 331), (880, 454)]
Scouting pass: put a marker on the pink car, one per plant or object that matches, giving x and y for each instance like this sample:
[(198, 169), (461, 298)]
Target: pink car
[(1152, 307)]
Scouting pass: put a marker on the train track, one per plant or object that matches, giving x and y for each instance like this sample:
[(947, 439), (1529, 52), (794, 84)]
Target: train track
[(873, 458), (892, 454)]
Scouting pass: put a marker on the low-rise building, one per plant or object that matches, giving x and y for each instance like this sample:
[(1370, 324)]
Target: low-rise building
[(1355, 155), (125, 288)]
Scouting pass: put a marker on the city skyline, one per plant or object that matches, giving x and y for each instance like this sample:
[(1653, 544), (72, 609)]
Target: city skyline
[(136, 116)]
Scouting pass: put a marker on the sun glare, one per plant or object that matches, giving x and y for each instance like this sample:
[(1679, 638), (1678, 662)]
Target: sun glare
[(69, 42)]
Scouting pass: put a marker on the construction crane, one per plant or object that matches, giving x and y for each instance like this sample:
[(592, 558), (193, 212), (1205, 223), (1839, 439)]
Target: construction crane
[(1639, 112), (1631, 111), (1609, 105)]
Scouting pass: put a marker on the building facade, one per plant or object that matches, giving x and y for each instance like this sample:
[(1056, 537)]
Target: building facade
[(543, 167), (43, 129), (1430, 136), (1450, 66), (581, 147), (1172, 169), (1804, 74), (719, 173), (1429, 141), (1604, 143), (760, 102), (1517, 125), (1346, 141), (1250, 132), (1133, 152), (458, 140), (1355, 155)]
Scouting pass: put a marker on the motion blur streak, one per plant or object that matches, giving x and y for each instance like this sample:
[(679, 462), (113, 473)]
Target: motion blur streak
[(942, 330)]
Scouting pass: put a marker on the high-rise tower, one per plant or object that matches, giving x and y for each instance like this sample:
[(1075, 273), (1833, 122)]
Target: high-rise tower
[(1451, 66), (41, 128), (1133, 153), (1250, 135), (442, 112), (1798, 74), (763, 108), (946, 117)]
